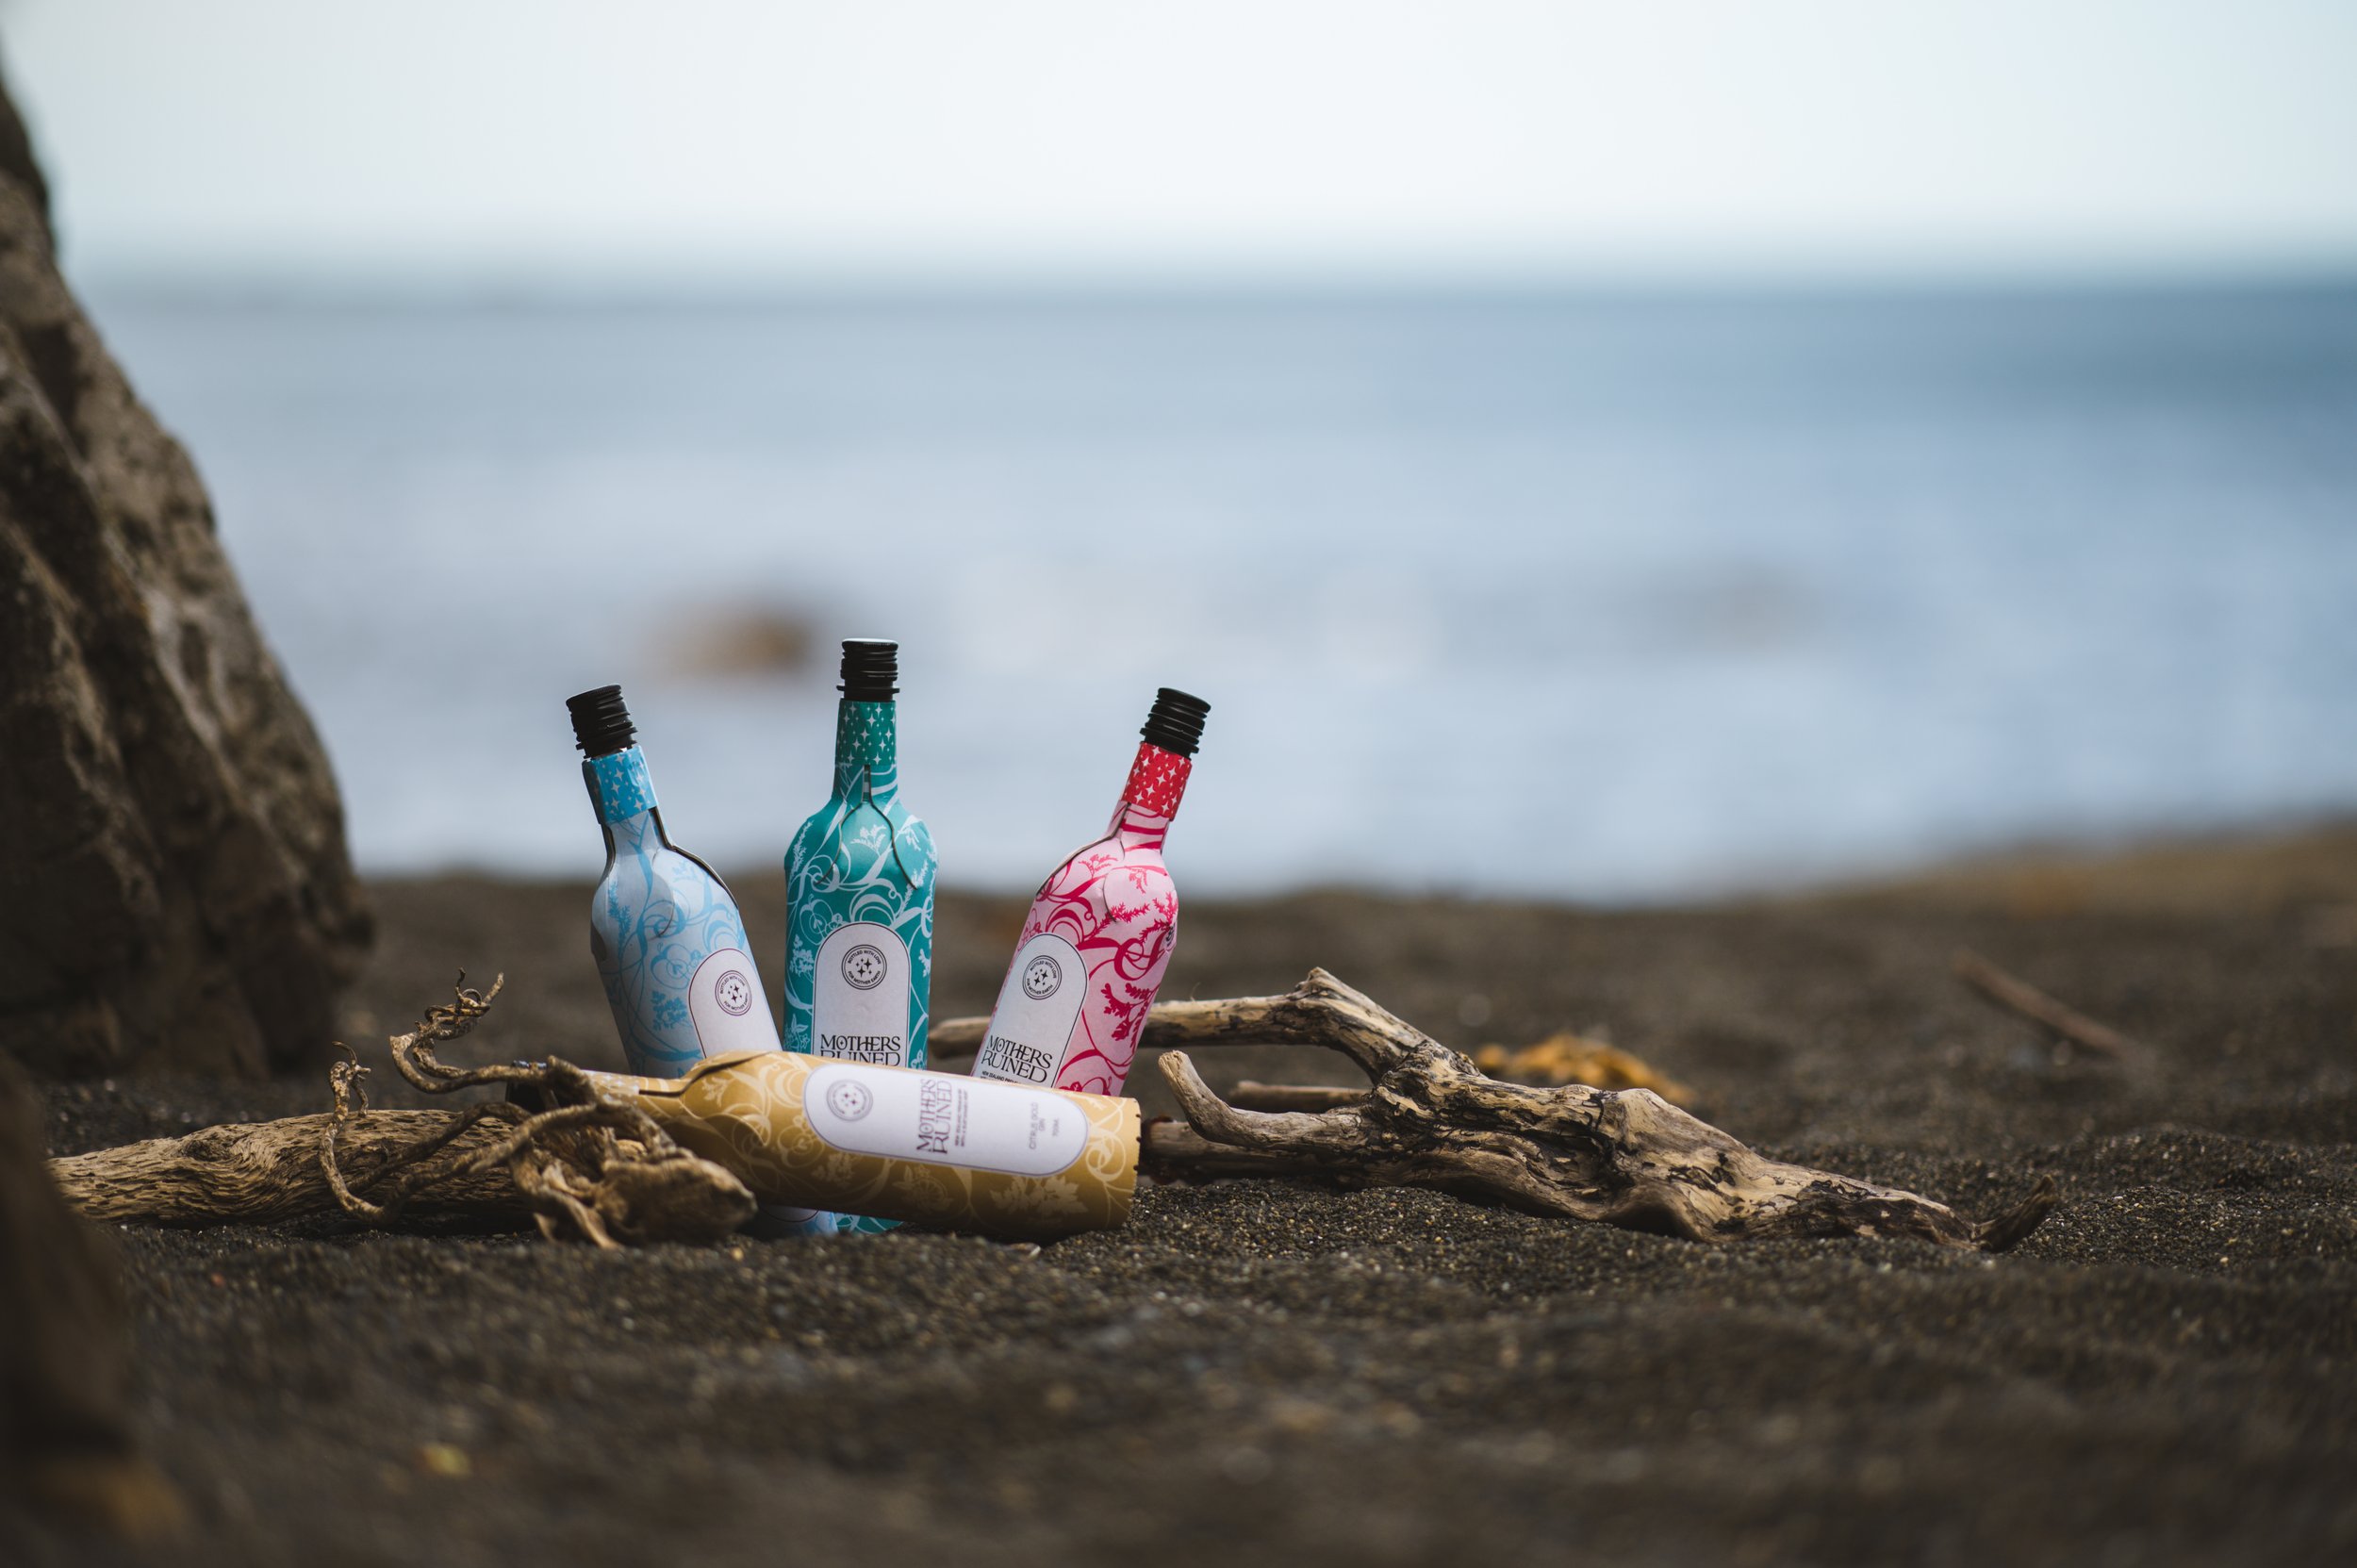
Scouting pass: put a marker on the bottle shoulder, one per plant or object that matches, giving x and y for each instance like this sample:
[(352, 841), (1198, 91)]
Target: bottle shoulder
[(913, 831), (1108, 872), (860, 850), (843, 816), (814, 830), (653, 921), (686, 866), (659, 873)]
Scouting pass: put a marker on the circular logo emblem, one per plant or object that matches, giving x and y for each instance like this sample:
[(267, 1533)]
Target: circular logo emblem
[(864, 967), (1040, 977), (850, 1100), (734, 992)]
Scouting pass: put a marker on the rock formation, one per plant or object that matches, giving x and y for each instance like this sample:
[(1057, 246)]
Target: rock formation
[(66, 1446), (174, 890)]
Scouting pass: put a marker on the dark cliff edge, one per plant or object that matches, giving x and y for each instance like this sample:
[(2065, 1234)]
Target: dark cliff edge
[(174, 888)]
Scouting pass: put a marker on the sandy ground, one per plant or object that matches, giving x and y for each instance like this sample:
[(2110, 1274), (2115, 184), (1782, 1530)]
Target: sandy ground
[(1253, 1373)]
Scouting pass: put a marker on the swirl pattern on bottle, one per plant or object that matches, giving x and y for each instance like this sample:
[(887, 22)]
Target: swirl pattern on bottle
[(861, 859), (668, 940), (1114, 903)]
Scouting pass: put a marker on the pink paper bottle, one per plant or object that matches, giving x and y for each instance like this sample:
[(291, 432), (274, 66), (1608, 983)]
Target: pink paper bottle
[(1100, 931)]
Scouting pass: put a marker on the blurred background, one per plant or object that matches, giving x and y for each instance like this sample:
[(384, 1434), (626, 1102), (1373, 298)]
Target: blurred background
[(1597, 452)]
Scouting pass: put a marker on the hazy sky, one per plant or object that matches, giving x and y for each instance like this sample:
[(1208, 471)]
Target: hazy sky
[(604, 139)]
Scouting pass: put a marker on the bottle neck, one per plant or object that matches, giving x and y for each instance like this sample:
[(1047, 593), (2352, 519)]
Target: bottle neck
[(625, 801), (1158, 780), (619, 784), (866, 751)]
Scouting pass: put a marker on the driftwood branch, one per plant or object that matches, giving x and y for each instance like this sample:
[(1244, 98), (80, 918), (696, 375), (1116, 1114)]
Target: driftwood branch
[(2020, 995), (267, 1173), (1431, 1119), (587, 1165)]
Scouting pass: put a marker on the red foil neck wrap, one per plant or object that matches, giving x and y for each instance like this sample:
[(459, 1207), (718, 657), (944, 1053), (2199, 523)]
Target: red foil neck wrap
[(1158, 780)]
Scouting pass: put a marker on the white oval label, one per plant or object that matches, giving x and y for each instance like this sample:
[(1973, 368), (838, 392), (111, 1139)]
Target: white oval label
[(859, 999), (944, 1120), (725, 1004), (1038, 1006)]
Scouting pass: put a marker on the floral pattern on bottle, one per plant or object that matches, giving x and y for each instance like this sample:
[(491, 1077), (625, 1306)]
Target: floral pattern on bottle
[(861, 860), (668, 940), (1114, 902)]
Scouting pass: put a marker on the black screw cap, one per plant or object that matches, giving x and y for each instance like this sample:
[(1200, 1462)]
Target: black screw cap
[(1176, 724), (870, 666), (602, 724)]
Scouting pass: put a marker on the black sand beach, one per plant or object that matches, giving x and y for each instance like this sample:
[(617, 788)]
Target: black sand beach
[(2165, 1372)]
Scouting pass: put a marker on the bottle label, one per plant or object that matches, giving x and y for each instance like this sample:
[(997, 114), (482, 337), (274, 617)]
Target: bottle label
[(942, 1120), (725, 1003), (860, 996), (1041, 1000)]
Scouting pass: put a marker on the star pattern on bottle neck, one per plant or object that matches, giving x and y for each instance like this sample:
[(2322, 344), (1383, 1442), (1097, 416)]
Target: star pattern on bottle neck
[(1157, 779), (866, 745), (624, 786)]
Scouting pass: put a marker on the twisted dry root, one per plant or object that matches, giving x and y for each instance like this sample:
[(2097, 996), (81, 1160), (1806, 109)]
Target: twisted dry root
[(590, 1166), (1627, 1157)]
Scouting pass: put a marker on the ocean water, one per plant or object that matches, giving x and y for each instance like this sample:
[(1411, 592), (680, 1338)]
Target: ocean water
[(1589, 597)]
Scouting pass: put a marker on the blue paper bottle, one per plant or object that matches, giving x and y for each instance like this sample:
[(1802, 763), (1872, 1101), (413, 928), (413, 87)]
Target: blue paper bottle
[(667, 935), (859, 881)]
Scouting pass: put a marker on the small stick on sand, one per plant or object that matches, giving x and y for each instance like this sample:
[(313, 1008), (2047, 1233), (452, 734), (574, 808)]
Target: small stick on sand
[(2020, 995)]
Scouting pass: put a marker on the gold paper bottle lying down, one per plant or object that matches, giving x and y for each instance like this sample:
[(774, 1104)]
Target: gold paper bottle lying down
[(937, 1149)]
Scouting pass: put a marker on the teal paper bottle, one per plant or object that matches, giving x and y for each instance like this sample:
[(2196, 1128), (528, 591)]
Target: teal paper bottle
[(667, 935), (859, 884)]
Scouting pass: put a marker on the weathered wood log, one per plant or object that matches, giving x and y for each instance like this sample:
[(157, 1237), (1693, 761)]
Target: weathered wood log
[(1626, 1157), (492, 1164), (581, 1166), (267, 1173), (271, 1173), (174, 890)]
